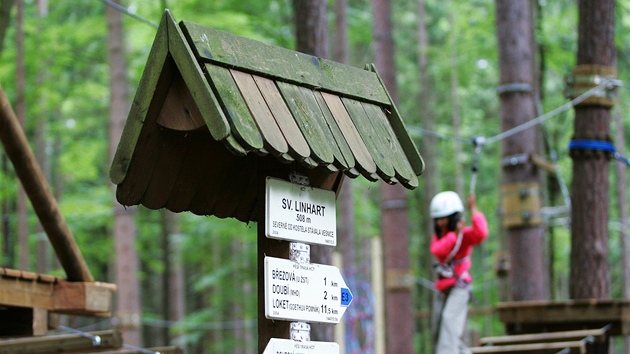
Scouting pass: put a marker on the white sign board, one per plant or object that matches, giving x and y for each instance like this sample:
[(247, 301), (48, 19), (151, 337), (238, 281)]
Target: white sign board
[(287, 346), (304, 292), (300, 213)]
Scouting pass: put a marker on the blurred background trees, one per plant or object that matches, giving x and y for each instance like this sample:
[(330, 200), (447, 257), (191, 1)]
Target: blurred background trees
[(196, 275)]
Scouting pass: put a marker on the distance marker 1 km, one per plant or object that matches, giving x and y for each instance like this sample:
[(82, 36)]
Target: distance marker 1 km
[(304, 292)]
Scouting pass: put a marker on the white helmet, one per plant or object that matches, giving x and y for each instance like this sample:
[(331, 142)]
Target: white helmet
[(445, 204)]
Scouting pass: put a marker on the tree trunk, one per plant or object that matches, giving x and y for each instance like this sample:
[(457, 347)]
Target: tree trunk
[(516, 62), (311, 27), (5, 16), (128, 294), (399, 318), (41, 130), (589, 190), (20, 111)]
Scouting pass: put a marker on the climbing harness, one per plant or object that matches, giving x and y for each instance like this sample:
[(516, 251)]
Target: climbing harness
[(445, 269)]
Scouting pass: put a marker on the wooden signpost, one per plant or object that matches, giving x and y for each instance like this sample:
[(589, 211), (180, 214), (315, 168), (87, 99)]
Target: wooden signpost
[(295, 289)]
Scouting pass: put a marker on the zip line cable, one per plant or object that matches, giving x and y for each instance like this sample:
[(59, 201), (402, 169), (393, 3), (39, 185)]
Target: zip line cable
[(126, 11)]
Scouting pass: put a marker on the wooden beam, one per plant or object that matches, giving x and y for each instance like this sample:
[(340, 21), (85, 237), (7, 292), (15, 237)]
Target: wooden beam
[(65, 343), (32, 178), (29, 290)]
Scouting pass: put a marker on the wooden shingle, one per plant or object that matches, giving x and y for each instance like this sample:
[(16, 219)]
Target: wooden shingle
[(216, 113)]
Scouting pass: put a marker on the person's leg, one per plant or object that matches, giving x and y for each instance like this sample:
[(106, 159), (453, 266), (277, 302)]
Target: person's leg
[(453, 322)]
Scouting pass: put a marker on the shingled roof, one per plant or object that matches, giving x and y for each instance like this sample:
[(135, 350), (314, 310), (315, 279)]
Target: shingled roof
[(216, 113)]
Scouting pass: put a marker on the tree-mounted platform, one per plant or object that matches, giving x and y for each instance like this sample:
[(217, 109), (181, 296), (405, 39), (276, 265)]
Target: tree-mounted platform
[(27, 298), (547, 316)]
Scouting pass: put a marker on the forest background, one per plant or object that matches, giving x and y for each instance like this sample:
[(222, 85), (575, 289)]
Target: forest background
[(66, 107)]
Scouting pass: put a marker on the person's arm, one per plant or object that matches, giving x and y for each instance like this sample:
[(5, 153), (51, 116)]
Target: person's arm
[(479, 229)]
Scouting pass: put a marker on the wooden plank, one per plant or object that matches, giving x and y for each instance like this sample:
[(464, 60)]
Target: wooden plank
[(241, 121), (298, 146), (195, 80), (149, 89), (272, 136), (395, 153), (397, 124), (231, 190), (534, 348), (341, 151), (370, 135), (179, 110), (598, 335), (308, 117), (167, 168), (216, 172), (364, 162), (23, 321), (66, 343), (25, 293), (139, 172), (82, 298), (261, 59), (193, 170)]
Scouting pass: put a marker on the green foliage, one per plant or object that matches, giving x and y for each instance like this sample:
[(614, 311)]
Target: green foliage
[(67, 88)]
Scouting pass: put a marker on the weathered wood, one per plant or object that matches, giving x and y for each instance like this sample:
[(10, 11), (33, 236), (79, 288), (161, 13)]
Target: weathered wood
[(151, 88), (217, 162), (193, 170), (272, 136), (341, 151), (404, 171), (93, 298), (227, 50), (364, 161), (23, 322), (179, 111), (139, 174), (298, 146), (306, 115), (230, 189), (538, 316), (398, 126), (598, 335), (66, 343), (83, 298), (384, 167), (241, 121), (34, 183), (535, 348), (167, 169), (194, 78)]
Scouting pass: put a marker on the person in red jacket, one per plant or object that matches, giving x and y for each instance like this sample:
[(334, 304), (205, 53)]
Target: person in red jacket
[(452, 245)]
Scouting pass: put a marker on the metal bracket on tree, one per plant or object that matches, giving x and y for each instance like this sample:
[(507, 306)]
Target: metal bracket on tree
[(587, 77)]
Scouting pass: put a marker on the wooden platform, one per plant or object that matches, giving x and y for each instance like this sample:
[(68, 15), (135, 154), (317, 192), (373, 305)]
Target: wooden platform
[(578, 341), (26, 298), (551, 316)]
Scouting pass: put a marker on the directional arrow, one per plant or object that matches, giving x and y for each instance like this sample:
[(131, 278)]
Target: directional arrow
[(277, 345), (304, 292)]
